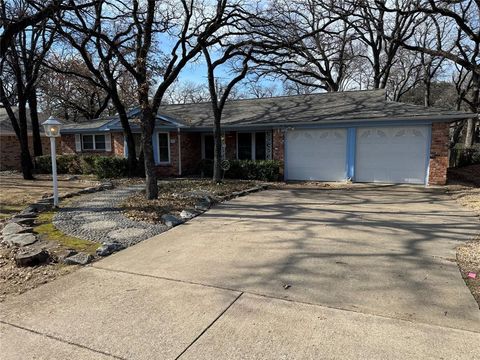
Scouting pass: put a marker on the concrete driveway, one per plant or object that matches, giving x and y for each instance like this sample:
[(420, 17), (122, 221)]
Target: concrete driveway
[(366, 272)]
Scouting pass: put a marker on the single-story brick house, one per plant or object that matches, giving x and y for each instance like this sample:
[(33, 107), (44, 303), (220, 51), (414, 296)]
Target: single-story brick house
[(9, 145), (355, 135)]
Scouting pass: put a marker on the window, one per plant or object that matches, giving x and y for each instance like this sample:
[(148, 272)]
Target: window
[(209, 148), (93, 142), (244, 146), (163, 148), (260, 153), (252, 146)]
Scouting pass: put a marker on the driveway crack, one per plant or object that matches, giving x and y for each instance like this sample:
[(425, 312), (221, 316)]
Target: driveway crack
[(209, 326), (55, 338)]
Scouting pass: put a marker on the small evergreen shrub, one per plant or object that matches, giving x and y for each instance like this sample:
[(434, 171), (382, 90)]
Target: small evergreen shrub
[(107, 167), (66, 164), (87, 164), (102, 166), (264, 170)]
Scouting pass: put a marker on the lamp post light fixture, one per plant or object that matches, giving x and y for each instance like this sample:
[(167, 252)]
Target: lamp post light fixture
[(52, 130)]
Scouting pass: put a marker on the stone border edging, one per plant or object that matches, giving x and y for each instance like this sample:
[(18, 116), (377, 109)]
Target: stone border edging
[(19, 228), (25, 219), (204, 204)]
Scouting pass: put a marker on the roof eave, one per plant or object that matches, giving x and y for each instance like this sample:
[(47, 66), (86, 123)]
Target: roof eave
[(425, 119)]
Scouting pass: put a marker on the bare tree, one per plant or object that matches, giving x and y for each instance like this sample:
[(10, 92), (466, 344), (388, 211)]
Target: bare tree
[(256, 89), (22, 62), (219, 96), (306, 42), (404, 75), (463, 48), (375, 27), (70, 96), (131, 31), (186, 92)]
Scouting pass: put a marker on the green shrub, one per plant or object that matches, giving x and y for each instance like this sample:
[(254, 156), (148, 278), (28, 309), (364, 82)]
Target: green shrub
[(87, 164), (101, 166), (265, 170), (107, 167), (43, 164), (69, 164), (66, 164)]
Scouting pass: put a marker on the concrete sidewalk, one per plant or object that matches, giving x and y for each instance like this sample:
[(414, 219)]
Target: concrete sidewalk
[(369, 275)]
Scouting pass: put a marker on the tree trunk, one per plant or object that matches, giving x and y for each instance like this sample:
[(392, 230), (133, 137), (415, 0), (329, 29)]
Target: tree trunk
[(25, 158), (131, 154), (427, 91), (148, 123), (217, 146), (474, 107), (469, 131), (37, 141), (127, 132), (132, 163)]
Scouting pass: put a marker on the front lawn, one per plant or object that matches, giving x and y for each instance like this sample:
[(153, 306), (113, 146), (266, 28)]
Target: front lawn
[(17, 193), (177, 195)]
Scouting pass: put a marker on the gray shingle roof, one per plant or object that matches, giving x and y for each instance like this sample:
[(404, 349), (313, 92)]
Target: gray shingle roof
[(321, 108), (6, 124), (303, 109)]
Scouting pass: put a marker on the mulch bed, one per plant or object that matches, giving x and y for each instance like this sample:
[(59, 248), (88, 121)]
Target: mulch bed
[(177, 195)]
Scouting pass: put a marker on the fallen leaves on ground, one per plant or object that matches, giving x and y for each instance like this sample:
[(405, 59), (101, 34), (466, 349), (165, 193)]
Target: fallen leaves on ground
[(468, 254), (177, 195)]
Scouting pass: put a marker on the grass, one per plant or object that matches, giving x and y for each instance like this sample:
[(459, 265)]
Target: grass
[(17, 193), (7, 210), (47, 231)]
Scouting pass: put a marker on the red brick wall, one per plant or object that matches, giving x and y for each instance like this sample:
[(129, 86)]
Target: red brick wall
[(68, 145), (278, 151), (439, 154), (118, 144), (191, 152), (10, 151)]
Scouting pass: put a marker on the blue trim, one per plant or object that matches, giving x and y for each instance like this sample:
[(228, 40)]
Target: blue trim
[(351, 151), (427, 157), (155, 147)]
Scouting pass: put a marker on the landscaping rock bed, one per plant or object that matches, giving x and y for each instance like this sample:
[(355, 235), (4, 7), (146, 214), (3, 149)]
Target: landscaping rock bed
[(181, 200), (98, 217)]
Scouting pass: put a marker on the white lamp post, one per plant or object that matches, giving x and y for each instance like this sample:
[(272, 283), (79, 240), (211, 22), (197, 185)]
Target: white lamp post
[(52, 130)]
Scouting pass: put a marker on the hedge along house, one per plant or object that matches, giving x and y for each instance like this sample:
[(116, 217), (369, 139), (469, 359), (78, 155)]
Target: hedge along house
[(355, 135)]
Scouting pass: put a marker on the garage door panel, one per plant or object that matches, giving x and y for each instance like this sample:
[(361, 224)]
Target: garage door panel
[(391, 154), (316, 154)]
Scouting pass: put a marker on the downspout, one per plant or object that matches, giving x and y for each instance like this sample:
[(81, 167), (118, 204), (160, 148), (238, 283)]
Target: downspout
[(179, 139)]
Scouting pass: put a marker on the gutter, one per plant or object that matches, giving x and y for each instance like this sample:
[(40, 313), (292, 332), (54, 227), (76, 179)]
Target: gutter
[(343, 123)]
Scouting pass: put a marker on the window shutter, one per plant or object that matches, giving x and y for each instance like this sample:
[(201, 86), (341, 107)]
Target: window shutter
[(78, 143), (108, 142)]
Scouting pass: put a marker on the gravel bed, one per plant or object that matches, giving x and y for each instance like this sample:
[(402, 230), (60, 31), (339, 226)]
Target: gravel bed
[(97, 217)]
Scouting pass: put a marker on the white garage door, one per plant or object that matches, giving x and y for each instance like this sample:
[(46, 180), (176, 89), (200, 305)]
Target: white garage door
[(391, 154), (316, 154)]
